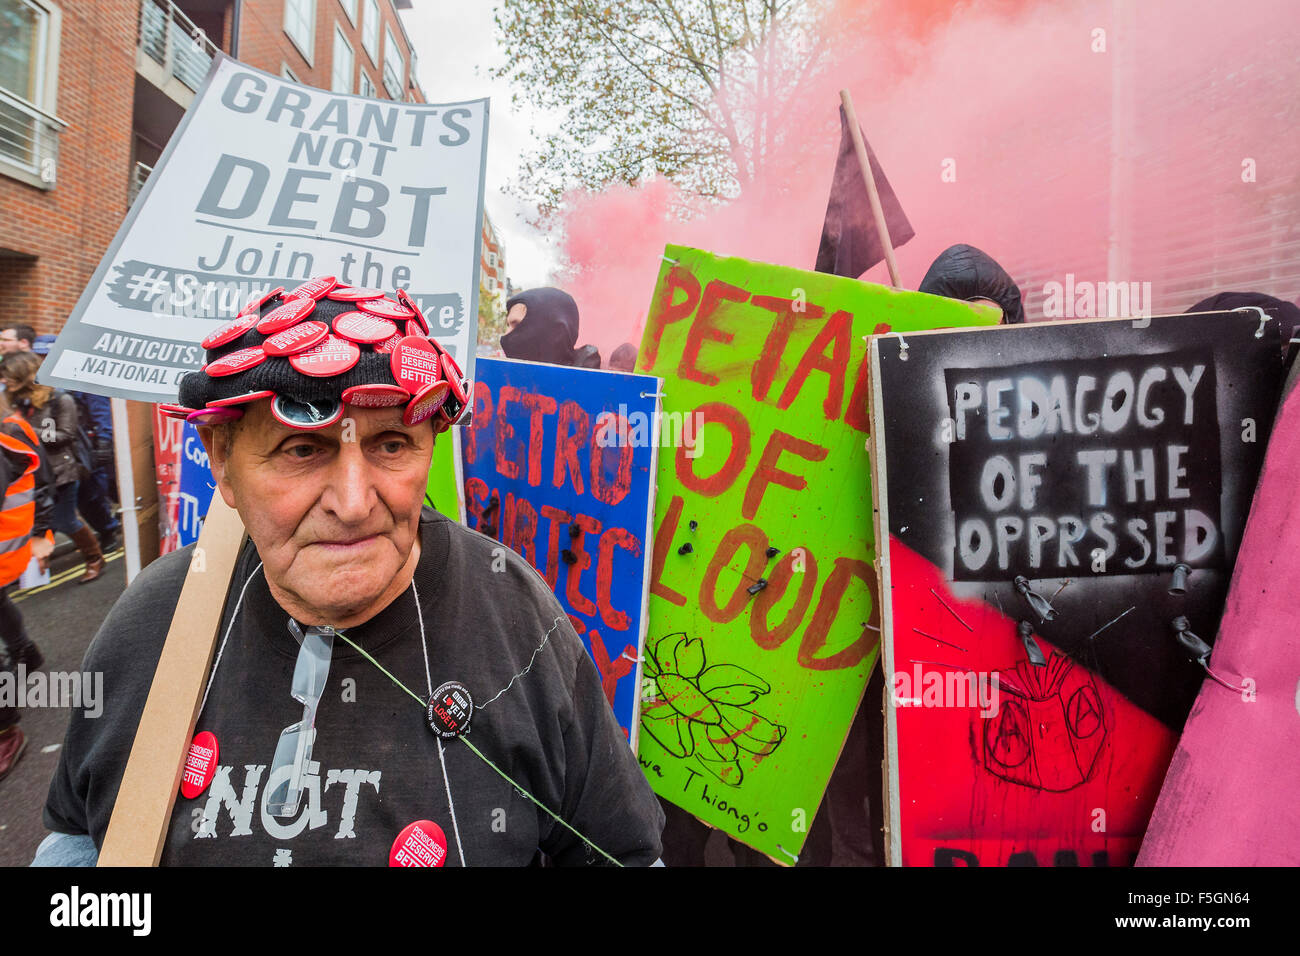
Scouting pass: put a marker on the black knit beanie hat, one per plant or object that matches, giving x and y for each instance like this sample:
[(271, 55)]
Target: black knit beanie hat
[(320, 347)]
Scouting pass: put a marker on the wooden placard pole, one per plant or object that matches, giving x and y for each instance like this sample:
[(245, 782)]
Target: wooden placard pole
[(864, 161), (138, 826)]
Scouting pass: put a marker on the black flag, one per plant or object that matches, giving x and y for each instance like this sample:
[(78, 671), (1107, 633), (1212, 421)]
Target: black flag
[(850, 244)]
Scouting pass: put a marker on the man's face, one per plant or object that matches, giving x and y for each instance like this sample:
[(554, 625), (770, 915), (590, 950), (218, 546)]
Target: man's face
[(334, 513), (9, 342), (516, 314)]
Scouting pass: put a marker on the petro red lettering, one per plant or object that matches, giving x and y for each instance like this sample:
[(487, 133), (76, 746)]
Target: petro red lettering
[(665, 312)]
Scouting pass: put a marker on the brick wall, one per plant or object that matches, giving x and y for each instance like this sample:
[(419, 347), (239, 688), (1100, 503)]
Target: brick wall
[(59, 235), (264, 44)]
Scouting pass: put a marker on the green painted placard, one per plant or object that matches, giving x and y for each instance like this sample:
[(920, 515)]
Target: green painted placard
[(763, 625), (443, 491)]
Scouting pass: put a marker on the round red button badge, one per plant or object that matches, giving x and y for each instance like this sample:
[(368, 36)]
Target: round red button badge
[(316, 288), (239, 399), (259, 299), (291, 313), (333, 356), (363, 328), (214, 415), (235, 362), (229, 332), (426, 401), (375, 396), (386, 308), (415, 364), (306, 415), (406, 300), (296, 338), (421, 843), (347, 293), (390, 343), (200, 765)]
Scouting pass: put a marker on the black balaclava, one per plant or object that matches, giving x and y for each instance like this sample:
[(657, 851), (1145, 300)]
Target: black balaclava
[(549, 330), (964, 272)]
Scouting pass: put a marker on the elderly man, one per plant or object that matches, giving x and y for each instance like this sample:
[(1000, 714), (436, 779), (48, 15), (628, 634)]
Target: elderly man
[(378, 664)]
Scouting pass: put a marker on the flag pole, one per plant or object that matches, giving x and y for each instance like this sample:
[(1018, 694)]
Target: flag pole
[(861, 149)]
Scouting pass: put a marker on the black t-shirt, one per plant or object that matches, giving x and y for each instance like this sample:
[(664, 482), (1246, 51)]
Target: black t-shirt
[(491, 624)]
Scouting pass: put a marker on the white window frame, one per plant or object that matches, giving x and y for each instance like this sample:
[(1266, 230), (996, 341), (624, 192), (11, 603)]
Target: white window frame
[(45, 97), (365, 85), (370, 19), (306, 45), (288, 74), (391, 49), (347, 81), (350, 8)]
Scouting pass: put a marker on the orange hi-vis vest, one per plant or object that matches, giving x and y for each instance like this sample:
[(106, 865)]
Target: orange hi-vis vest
[(18, 511)]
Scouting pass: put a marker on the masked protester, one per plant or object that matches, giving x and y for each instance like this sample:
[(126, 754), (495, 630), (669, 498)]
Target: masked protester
[(964, 272), (52, 414), (544, 328), (319, 409)]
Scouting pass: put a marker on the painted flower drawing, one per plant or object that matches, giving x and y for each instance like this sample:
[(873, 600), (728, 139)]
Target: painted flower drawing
[(695, 709)]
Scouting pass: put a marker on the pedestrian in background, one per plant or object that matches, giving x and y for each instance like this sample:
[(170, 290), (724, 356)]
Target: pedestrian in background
[(52, 413), (25, 509), (96, 494)]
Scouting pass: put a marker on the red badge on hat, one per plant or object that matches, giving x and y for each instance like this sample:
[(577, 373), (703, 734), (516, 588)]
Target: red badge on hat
[(200, 765), (213, 415), (419, 318), (415, 364), (458, 399), (239, 361), (291, 313), (229, 332), (363, 328), (347, 293), (259, 299), (388, 344), (333, 356), (422, 843), (296, 338), (316, 288), (375, 396), (239, 399), (426, 401), (386, 308)]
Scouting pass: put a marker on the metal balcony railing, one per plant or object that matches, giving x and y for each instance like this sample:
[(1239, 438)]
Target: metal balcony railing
[(29, 138), (138, 177), (172, 41)]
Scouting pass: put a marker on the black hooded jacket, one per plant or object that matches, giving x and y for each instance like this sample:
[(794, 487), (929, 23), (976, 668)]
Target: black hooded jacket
[(964, 272)]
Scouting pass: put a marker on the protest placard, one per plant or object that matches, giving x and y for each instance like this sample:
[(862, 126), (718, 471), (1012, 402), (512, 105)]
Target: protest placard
[(1052, 500), (264, 184), (558, 466), (1229, 796), (763, 611)]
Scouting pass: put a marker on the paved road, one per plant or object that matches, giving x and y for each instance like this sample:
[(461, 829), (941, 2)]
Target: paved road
[(62, 620)]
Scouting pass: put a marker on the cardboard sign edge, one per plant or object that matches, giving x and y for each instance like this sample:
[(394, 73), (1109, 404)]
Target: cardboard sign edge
[(150, 784)]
